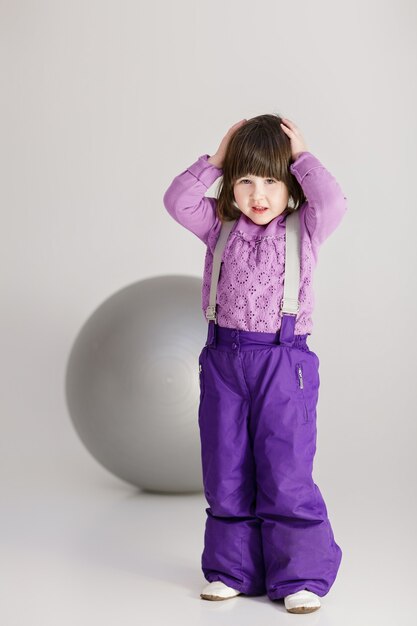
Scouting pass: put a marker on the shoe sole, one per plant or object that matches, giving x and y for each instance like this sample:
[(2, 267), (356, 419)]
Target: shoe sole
[(207, 596), (303, 609)]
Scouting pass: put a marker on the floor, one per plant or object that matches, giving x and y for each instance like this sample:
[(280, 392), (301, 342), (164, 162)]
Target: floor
[(79, 546)]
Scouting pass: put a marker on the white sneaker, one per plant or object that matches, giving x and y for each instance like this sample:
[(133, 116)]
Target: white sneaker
[(217, 590), (303, 601)]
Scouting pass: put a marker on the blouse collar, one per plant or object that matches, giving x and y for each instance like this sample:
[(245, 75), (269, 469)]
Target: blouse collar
[(246, 225)]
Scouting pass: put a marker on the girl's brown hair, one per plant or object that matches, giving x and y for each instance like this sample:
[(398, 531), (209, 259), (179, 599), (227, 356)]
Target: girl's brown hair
[(261, 148)]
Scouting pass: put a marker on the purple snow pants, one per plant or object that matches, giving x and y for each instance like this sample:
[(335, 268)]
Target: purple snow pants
[(267, 528)]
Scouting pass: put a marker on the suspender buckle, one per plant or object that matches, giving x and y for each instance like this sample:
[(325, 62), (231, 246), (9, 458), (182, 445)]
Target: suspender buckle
[(211, 312), (291, 306)]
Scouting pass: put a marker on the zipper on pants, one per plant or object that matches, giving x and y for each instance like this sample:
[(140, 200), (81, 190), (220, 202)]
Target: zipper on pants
[(200, 373), (300, 380), (300, 376)]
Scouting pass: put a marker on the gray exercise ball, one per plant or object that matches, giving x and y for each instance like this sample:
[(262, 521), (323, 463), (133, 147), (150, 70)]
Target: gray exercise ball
[(132, 384)]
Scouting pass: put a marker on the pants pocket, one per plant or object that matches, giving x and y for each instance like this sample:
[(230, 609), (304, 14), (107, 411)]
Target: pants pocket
[(301, 391), (201, 379)]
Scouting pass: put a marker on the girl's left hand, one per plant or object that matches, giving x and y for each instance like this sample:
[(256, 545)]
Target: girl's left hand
[(298, 144)]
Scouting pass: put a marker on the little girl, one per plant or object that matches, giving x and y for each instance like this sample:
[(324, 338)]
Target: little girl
[(267, 528)]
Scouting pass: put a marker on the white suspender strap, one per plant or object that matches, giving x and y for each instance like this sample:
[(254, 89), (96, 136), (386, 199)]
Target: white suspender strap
[(290, 303), (217, 259)]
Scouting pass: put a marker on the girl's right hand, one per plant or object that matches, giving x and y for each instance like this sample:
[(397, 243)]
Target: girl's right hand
[(218, 158)]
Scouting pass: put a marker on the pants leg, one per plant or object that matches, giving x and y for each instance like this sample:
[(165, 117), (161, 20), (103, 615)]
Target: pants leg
[(232, 540), (297, 539)]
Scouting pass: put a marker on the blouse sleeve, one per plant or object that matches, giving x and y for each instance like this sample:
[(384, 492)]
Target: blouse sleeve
[(185, 198), (326, 203)]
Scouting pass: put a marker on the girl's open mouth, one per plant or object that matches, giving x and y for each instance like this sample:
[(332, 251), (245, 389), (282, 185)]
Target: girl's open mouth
[(259, 209)]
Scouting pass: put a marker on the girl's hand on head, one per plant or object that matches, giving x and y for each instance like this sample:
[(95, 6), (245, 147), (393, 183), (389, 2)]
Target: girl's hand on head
[(298, 144), (218, 158)]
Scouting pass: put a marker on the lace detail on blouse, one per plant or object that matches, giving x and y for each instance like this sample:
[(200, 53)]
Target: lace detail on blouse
[(251, 282)]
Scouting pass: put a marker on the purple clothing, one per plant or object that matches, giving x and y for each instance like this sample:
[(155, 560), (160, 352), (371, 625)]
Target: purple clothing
[(267, 526), (251, 282)]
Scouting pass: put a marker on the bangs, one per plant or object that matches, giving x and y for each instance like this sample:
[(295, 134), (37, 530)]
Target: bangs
[(263, 159)]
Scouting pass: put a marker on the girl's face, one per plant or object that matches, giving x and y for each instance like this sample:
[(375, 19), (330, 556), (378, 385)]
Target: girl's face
[(254, 191)]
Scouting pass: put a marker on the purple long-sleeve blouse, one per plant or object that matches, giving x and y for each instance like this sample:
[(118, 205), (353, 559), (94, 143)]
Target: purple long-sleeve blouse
[(251, 282)]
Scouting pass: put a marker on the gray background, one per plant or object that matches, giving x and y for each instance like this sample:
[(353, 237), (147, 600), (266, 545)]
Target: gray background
[(102, 104)]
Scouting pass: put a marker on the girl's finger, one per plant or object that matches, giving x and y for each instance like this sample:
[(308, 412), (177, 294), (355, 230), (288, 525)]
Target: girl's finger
[(291, 124), (286, 128)]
